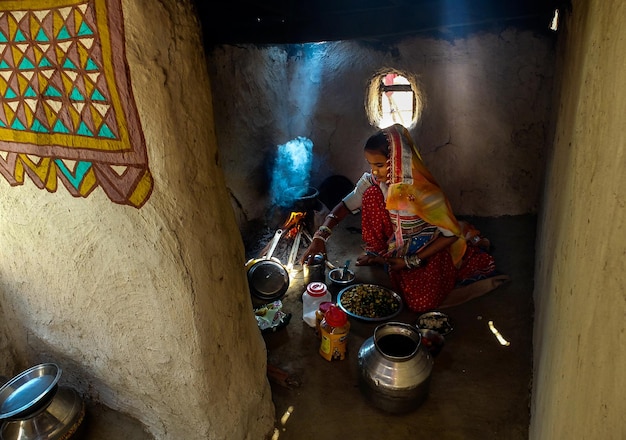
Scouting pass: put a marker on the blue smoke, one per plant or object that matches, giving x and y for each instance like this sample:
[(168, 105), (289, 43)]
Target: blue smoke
[(290, 176)]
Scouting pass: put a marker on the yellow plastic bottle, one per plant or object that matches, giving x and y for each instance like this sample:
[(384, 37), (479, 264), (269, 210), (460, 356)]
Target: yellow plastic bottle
[(334, 330)]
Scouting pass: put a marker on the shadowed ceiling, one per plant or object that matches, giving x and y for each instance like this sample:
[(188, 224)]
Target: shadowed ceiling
[(301, 21)]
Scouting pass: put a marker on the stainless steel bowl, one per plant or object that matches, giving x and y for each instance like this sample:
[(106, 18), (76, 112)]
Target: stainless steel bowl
[(341, 277)]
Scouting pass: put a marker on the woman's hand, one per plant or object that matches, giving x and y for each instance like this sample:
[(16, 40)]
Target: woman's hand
[(396, 263), (369, 260), (317, 246)]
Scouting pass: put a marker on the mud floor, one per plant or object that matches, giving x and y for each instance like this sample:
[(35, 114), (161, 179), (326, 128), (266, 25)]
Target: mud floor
[(479, 388)]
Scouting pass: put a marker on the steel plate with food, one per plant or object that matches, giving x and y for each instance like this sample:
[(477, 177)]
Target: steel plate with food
[(369, 302)]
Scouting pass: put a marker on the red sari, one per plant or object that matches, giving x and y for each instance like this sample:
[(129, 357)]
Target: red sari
[(411, 213), (422, 288)]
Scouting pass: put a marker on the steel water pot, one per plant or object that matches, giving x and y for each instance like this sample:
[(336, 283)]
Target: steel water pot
[(394, 368)]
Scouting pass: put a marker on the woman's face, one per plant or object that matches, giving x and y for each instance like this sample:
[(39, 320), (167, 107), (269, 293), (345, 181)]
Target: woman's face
[(378, 163)]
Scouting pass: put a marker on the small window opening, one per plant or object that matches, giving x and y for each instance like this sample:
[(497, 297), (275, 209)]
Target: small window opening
[(392, 100)]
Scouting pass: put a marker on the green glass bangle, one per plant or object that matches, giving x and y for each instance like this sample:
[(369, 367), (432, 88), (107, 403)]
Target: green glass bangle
[(326, 229)]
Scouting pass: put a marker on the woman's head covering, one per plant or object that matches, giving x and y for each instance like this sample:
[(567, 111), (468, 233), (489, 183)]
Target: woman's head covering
[(413, 189)]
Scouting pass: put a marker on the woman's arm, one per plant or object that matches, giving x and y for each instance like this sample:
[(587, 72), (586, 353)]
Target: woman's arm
[(398, 263), (321, 236), (438, 244)]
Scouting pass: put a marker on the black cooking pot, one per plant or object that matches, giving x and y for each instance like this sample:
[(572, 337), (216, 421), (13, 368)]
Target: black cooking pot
[(304, 198), (267, 277)]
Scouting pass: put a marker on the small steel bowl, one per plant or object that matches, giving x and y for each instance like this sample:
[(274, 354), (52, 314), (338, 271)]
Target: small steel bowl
[(341, 277), (437, 321)]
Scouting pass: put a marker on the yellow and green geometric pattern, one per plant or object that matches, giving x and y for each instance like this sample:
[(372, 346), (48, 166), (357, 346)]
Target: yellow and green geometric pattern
[(67, 113)]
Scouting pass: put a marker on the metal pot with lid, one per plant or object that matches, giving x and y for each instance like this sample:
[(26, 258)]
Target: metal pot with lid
[(28, 391), (34, 407), (61, 419)]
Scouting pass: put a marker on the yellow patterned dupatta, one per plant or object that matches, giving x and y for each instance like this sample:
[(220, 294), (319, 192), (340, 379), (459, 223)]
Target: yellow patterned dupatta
[(413, 189)]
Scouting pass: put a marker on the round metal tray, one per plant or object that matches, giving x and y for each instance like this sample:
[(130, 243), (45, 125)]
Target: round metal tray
[(22, 395), (356, 287)]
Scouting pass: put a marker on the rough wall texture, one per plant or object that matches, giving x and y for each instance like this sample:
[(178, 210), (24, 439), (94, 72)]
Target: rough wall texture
[(579, 381), (482, 132), (146, 310)]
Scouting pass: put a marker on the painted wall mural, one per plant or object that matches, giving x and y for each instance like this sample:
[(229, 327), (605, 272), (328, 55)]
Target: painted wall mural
[(67, 113)]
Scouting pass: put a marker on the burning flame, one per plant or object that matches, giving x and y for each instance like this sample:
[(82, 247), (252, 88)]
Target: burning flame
[(294, 219)]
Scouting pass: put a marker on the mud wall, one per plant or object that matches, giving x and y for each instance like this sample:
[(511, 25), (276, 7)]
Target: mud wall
[(482, 131), (580, 284), (146, 309)]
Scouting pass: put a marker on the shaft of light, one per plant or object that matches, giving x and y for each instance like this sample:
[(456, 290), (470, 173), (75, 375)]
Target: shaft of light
[(500, 338), (285, 417)]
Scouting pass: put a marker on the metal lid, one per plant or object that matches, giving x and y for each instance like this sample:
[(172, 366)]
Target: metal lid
[(268, 280), (315, 260)]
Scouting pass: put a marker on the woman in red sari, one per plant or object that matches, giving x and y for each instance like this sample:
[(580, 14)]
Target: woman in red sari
[(408, 226)]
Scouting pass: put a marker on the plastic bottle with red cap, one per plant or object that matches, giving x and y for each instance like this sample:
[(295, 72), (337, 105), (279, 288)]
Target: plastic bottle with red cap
[(334, 330), (315, 294)]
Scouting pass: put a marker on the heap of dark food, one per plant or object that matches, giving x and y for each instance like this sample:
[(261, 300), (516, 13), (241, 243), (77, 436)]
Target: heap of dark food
[(369, 301)]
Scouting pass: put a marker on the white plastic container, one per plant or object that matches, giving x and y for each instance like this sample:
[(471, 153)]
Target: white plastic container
[(315, 294)]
